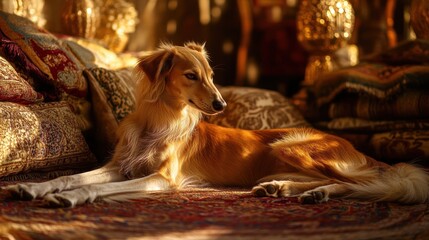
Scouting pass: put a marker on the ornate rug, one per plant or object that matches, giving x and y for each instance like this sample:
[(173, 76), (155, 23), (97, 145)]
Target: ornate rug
[(213, 214)]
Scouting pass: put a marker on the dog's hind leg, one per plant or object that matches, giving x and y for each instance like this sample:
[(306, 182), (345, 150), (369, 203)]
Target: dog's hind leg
[(114, 191), (307, 192), (286, 188), (322, 193), (29, 191)]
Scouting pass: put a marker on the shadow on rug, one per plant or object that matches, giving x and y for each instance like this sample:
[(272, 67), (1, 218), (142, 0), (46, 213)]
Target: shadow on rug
[(213, 214)]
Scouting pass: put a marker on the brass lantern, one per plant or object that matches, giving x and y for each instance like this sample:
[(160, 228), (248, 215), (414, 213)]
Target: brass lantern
[(323, 27)]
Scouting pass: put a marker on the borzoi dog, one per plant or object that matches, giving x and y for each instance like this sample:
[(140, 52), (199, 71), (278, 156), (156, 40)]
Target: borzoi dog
[(164, 144)]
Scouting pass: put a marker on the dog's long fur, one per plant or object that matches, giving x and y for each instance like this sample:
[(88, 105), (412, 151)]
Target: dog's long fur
[(164, 143)]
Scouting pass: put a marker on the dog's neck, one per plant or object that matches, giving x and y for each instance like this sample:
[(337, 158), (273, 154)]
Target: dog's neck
[(160, 125), (179, 120)]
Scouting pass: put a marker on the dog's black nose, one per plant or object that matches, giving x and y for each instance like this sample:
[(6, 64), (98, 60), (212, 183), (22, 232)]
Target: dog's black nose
[(219, 105)]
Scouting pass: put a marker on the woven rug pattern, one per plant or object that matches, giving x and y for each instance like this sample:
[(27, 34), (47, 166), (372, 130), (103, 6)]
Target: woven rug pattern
[(213, 214)]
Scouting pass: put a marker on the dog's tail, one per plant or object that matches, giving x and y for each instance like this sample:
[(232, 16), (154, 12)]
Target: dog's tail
[(328, 157), (402, 183)]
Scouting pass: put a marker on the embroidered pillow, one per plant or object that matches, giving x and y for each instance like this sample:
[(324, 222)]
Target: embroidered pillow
[(112, 94), (44, 50), (13, 88), (41, 137), (252, 108)]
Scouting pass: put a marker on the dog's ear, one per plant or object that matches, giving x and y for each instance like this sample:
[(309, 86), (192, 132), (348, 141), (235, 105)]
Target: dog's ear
[(156, 63), (197, 47)]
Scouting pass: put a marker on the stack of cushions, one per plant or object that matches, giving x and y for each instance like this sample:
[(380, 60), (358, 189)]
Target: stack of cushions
[(35, 135), (380, 105), (41, 129), (40, 55), (61, 100)]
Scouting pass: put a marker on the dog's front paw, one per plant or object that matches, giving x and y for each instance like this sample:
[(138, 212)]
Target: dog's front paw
[(22, 191), (267, 189), (68, 199), (59, 200)]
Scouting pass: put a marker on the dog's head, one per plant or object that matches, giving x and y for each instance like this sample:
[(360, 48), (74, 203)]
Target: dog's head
[(182, 76)]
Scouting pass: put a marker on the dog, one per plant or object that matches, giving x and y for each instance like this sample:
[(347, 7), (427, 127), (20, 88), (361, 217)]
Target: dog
[(164, 145)]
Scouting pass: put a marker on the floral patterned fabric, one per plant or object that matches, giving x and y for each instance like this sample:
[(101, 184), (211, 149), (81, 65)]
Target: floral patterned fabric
[(57, 64), (117, 88), (13, 87), (40, 137), (252, 108)]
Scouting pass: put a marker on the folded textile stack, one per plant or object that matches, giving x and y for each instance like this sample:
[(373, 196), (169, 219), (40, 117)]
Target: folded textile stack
[(381, 105)]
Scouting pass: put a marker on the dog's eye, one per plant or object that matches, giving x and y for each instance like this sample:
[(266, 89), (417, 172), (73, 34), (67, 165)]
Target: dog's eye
[(191, 76)]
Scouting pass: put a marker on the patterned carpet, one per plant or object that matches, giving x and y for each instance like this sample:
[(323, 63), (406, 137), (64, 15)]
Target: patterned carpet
[(213, 214)]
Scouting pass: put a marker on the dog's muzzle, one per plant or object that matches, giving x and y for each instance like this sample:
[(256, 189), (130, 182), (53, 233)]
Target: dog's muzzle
[(218, 105)]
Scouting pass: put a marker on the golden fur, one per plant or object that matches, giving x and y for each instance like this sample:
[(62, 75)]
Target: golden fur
[(163, 144)]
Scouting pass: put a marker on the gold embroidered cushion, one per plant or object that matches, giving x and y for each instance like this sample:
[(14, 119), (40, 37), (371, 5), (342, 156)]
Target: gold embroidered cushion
[(13, 87), (252, 108), (53, 63), (112, 94), (41, 137)]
